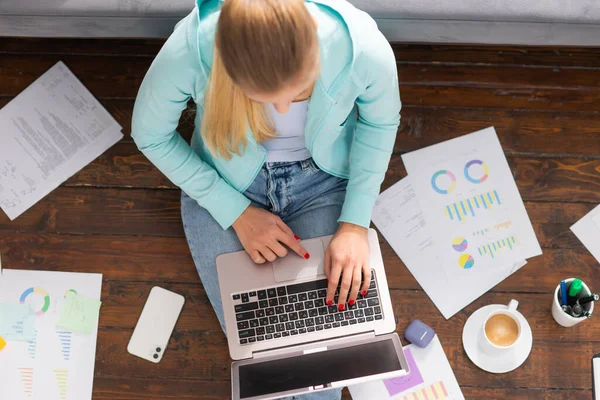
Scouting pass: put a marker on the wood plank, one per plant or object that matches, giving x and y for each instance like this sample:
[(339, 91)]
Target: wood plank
[(564, 365), (500, 98), (129, 388), (147, 258), (167, 260), (117, 76), (531, 132), (81, 47), (505, 77), (123, 302), (157, 213), (103, 211), (588, 57), (193, 354)]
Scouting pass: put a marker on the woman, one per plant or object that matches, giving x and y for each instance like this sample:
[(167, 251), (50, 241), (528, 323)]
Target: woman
[(298, 108)]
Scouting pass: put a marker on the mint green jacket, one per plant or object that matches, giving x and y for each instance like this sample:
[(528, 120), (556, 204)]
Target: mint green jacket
[(353, 113)]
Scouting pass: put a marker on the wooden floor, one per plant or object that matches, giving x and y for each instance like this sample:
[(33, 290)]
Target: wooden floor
[(120, 216)]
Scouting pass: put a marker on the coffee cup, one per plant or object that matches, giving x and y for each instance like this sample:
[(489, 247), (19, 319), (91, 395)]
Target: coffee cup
[(501, 330)]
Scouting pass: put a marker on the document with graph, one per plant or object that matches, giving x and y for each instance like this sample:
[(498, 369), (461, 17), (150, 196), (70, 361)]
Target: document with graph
[(476, 223), (399, 218), (52, 363)]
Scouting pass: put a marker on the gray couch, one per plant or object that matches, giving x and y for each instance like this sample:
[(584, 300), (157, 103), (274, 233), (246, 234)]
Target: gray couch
[(529, 22)]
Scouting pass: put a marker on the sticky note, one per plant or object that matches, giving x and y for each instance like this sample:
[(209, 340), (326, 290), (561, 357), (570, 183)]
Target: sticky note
[(16, 321), (2, 343), (79, 314)]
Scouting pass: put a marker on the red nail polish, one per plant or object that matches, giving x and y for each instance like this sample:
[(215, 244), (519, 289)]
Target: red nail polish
[(329, 302), (297, 238), (341, 307), (364, 293), (351, 302), (307, 256)]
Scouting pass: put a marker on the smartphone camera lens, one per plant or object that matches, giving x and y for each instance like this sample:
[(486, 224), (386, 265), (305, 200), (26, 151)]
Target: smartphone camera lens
[(158, 350), (155, 356)]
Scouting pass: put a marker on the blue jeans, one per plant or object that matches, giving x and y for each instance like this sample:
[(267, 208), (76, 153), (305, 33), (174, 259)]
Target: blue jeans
[(307, 199)]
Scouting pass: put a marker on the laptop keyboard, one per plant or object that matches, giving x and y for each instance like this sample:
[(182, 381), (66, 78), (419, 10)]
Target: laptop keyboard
[(298, 309)]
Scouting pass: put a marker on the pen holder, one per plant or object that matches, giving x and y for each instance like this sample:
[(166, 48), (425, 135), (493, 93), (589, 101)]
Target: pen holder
[(560, 316)]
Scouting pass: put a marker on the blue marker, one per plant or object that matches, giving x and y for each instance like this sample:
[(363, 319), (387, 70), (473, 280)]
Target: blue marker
[(563, 292)]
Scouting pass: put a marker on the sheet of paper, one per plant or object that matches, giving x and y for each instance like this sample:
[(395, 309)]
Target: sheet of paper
[(398, 216), (79, 314), (587, 231), (431, 378), (404, 383), (50, 131), (16, 321), (467, 192), (55, 364)]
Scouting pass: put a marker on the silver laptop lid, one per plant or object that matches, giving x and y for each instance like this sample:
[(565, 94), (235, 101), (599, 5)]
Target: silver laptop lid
[(321, 366)]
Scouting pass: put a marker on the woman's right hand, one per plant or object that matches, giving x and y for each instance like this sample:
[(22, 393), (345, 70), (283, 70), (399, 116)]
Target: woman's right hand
[(263, 235)]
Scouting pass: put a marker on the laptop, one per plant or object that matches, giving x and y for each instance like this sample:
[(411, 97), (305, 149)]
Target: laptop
[(284, 338)]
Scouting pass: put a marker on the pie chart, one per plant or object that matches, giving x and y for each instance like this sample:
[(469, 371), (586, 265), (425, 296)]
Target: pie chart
[(460, 244), (466, 261)]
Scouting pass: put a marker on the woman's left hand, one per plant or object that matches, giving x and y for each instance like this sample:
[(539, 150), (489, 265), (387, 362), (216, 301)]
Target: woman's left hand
[(347, 259)]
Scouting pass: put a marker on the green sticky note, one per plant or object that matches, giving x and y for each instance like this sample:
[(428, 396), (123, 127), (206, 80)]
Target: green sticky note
[(16, 321), (79, 314)]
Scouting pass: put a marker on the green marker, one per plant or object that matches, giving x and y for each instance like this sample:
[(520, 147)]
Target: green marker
[(575, 287)]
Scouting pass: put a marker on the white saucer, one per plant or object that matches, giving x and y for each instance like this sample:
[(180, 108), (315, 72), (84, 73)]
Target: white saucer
[(495, 364)]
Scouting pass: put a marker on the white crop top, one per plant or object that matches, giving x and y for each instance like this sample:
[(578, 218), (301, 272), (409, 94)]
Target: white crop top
[(289, 144)]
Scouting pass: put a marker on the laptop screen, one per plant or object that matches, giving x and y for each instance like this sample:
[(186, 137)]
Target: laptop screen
[(320, 368)]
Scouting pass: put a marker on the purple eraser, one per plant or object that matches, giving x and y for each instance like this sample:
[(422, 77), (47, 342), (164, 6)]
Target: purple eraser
[(419, 333)]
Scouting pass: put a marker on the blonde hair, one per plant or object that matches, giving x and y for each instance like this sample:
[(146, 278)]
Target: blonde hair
[(261, 46)]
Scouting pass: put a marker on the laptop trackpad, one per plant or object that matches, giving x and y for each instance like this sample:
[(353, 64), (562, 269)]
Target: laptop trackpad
[(294, 267)]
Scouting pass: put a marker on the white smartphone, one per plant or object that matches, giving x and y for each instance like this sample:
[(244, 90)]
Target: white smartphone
[(155, 326)]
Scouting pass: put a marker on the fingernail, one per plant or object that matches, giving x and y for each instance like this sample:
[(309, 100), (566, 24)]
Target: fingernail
[(307, 256), (297, 238), (364, 292), (351, 302), (341, 307), (329, 302)]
